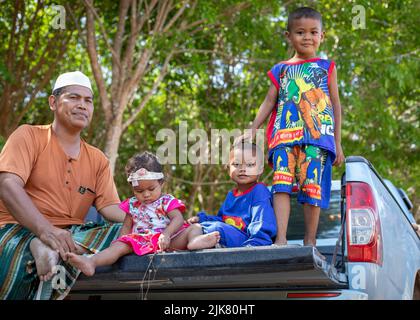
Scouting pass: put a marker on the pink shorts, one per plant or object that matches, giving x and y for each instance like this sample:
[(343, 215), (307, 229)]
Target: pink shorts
[(144, 243)]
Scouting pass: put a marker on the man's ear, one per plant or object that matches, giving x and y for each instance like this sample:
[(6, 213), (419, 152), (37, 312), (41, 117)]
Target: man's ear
[(52, 102)]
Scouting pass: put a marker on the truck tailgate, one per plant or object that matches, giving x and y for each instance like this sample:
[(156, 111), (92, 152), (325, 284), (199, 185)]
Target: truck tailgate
[(229, 268)]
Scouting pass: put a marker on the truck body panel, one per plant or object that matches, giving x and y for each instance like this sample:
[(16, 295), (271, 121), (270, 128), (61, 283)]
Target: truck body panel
[(271, 272)]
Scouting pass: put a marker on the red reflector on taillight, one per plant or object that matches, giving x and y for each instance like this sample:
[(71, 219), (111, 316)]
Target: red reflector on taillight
[(363, 225), (358, 195), (312, 295)]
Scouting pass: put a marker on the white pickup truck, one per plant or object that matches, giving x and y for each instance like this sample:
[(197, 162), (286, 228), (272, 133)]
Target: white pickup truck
[(370, 247)]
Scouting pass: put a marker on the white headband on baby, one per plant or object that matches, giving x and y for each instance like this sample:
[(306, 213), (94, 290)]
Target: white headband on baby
[(143, 174)]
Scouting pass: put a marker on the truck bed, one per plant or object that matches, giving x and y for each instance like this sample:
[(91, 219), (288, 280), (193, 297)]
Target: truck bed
[(235, 269)]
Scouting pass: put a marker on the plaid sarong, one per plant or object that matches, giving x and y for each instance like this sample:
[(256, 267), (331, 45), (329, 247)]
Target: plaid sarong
[(18, 277)]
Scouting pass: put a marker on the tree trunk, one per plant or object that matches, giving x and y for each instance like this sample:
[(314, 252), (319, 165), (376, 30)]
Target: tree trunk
[(153, 21), (113, 138), (5, 115)]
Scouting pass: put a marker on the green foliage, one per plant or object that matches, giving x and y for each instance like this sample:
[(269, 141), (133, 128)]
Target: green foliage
[(2, 142), (221, 81), (31, 54)]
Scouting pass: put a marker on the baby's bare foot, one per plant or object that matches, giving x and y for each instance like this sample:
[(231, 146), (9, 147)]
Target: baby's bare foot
[(45, 259), (205, 241), (84, 264)]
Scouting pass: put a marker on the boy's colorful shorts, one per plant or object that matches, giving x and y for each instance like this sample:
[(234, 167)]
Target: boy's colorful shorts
[(308, 167)]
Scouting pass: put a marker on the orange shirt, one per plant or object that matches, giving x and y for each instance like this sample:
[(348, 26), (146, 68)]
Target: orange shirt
[(62, 188)]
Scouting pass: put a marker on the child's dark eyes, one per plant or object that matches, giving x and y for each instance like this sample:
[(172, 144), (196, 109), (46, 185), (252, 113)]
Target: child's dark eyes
[(141, 191), (248, 165), (300, 33)]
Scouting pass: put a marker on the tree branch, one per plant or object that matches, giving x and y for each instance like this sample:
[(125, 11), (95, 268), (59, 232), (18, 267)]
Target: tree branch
[(117, 71), (96, 68), (11, 50), (91, 8), (42, 83), (28, 38), (227, 13), (149, 94), (127, 60), (124, 6), (163, 12), (176, 16)]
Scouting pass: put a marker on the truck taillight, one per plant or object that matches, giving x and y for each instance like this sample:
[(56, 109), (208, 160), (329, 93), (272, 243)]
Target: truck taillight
[(363, 225)]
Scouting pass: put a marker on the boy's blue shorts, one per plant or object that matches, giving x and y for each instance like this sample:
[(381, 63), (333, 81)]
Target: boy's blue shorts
[(309, 167), (230, 236)]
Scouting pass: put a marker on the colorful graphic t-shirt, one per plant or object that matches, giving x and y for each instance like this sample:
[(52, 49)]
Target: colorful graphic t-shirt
[(152, 217), (304, 113)]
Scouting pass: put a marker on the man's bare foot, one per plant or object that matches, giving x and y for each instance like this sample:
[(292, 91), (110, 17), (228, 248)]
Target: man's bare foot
[(45, 259), (204, 241), (84, 264)]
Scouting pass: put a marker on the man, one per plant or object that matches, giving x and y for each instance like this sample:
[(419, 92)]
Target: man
[(49, 177)]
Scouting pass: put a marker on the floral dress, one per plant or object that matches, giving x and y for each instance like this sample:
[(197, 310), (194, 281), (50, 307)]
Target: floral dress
[(149, 221)]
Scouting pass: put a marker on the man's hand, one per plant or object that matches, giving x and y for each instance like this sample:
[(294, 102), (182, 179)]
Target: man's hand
[(164, 242), (193, 220), (24, 211), (59, 240), (339, 159)]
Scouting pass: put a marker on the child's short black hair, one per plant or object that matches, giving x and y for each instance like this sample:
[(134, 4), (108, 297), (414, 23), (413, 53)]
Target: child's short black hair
[(144, 160), (303, 12)]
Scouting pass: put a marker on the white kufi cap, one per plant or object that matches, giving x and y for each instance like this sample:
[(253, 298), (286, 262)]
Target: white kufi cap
[(72, 78)]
